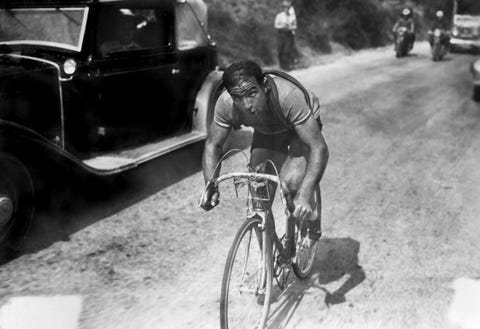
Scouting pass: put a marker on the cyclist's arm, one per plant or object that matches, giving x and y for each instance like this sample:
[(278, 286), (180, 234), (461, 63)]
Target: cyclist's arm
[(310, 134), (213, 150), (395, 26)]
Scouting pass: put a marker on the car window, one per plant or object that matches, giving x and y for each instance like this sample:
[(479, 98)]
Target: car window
[(130, 29), (56, 27), (190, 33)]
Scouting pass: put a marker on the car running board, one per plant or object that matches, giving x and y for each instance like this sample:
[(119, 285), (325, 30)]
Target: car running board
[(129, 158)]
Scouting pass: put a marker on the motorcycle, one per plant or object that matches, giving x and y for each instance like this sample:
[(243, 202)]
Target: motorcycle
[(438, 44), (401, 42)]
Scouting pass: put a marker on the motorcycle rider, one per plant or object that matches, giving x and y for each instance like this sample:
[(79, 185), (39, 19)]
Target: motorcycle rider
[(439, 23), (406, 20)]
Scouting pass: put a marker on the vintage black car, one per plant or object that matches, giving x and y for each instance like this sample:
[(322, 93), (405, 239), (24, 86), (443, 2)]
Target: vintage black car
[(100, 86)]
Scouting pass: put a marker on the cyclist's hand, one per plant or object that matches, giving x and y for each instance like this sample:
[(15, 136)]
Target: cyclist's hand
[(210, 198), (302, 210)]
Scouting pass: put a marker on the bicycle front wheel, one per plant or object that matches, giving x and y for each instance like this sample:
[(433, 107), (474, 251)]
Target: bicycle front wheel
[(247, 279)]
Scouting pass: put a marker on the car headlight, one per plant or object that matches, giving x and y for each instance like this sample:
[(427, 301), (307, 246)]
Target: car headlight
[(476, 67), (455, 31), (69, 66)]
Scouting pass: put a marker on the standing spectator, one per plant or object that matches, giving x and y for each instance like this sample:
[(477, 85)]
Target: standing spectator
[(286, 24), (295, 53)]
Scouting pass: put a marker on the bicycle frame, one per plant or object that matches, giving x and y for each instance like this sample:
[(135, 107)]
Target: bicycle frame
[(277, 255), (258, 208)]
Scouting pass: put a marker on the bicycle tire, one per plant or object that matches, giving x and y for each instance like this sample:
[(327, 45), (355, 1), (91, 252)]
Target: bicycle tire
[(232, 317), (305, 253)]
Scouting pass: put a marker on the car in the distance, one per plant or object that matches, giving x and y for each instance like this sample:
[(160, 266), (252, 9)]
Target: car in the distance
[(465, 34), (466, 26), (96, 87)]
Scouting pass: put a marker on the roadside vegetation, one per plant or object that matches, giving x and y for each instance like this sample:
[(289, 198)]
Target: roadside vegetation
[(243, 29)]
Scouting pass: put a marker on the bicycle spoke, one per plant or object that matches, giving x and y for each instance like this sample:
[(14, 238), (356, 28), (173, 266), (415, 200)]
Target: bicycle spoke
[(305, 256), (305, 251)]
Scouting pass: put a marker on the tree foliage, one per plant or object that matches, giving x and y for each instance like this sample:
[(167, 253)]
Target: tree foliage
[(244, 28)]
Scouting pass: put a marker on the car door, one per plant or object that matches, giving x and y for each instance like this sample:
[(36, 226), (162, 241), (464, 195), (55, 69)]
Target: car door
[(135, 74), (196, 53)]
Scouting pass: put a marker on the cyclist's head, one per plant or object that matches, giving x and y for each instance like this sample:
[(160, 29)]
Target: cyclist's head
[(439, 14), (239, 71), (245, 82)]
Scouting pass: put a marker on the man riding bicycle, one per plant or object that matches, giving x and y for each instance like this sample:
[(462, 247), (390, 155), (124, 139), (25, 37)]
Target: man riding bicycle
[(287, 130)]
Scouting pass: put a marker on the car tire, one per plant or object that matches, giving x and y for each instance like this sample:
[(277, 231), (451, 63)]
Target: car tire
[(16, 202), (476, 94)]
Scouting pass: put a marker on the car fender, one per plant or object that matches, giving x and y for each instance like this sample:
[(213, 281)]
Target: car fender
[(205, 100), (36, 151)]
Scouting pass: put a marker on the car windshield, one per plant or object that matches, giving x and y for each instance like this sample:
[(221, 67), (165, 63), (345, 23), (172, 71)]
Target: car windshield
[(468, 7), (56, 27)]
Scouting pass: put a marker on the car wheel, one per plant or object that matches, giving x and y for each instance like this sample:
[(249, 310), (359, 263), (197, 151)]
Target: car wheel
[(476, 93), (16, 202)]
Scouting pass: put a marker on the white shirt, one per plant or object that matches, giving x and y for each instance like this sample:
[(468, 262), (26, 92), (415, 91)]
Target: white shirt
[(286, 20)]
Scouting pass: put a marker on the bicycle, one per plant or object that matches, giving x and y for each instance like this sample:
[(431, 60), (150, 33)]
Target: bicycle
[(258, 253)]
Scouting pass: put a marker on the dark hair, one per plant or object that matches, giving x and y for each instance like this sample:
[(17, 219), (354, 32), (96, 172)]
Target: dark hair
[(240, 71)]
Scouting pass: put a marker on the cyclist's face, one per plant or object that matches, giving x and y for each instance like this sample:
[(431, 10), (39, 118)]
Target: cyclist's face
[(249, 96)]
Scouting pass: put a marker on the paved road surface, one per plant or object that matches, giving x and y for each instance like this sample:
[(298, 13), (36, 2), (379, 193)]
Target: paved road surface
[(401, 217)]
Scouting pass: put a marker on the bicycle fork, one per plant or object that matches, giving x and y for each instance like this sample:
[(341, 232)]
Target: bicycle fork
[(261, 235)]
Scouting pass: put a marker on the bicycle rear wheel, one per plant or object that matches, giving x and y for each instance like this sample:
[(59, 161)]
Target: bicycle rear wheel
[(247, 279), (305, 255), (305, 251)]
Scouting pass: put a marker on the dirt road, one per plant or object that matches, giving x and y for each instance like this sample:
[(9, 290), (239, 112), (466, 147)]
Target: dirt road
[(401, 217)]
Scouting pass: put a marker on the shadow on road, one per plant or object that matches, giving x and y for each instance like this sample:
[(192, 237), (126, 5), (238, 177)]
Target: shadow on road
[(339, 257), (73, 204), (336, 258)]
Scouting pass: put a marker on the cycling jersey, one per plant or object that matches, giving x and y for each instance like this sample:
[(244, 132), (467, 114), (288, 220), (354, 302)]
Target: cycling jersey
[(289, 110)]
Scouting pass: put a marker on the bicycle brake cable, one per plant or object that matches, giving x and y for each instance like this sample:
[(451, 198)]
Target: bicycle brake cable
[(224, 156)]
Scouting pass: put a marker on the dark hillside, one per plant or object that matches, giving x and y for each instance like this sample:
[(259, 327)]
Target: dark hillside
[(244, 28)]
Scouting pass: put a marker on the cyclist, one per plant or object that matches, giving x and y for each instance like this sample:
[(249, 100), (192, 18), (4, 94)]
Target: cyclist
[(286, 130)]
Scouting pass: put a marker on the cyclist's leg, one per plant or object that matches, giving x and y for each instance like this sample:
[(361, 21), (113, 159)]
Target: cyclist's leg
[(269, 147), (293, 172), (274, 148)]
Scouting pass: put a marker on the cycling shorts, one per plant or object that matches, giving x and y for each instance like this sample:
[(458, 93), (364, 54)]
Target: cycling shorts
[(277, 142)]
